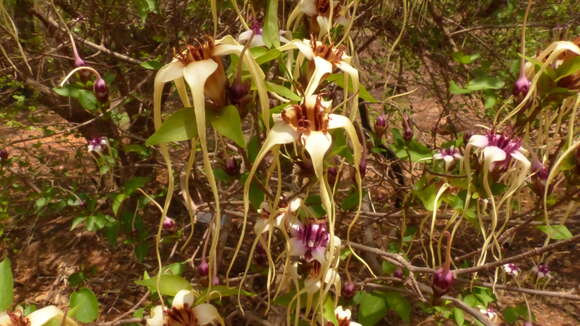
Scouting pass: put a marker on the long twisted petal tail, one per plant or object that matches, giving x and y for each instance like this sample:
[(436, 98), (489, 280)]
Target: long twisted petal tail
[(353, 74), (196, 74), (281, 133)]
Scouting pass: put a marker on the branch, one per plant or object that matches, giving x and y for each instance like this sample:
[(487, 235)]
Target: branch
[(532, 252), (54, 24)]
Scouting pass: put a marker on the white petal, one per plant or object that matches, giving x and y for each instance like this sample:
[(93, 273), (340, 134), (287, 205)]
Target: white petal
[(5, 319), (493, 154), (245, 36), (156, 318), (448, 161), (317, 144), (437, 156), (182, 298), (44, 315), (295, 204), (302, 45), (323, 24), (318, 254), (262, 225), (521, 157), (225, 49), (297, 248), (354, 323), (312, 285), (478, 141), (207, 314), (322, 67), (169, 72), (258, 40), (309, 7)]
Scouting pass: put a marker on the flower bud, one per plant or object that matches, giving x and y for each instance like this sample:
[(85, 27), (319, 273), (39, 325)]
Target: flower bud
[(203, 268), (232, 167), (522, 86), (398, 273), (3, 155), (238, 92), (215, 280), (362, 167), (380, 126), (101, 90), (348, 290), (169, 224), (332, 173), (443, 280), (408, 129)]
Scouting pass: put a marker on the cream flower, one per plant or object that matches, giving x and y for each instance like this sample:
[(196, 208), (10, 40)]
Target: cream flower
[(343, 316), (449, 155), (183, 314), (37, 318)]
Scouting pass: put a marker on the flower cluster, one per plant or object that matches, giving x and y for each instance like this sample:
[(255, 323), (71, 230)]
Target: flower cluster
[(97, 144)]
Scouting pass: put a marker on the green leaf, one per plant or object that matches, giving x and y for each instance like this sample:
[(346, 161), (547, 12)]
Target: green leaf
[(220, 291), (425, 193), (485, 82), (128, 189), (271, 32), (268, 56), (328, 311), (87, 99), (458, 316), (338, 79), (84, 306), (512, 314), (398, 303), (388, 268), (372, 308), (228, 124), (282, 91), (178, 127), (556, 232), (569, 67), (456, 89), (463, 58), (168, 284), (351, 201), (6, 285), (151, 65)]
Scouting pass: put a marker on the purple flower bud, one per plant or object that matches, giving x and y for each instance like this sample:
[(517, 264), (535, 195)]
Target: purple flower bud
[(348, 290), (522, 86), (443, 280), (540, 170), (408, 129), (332, 173), (232, 167), (398, 273), (203, 268), (101, 90), (238, 92), (542, 270), (215, 280), (362, 167), (380, 126), (3, 155), (169, 224)]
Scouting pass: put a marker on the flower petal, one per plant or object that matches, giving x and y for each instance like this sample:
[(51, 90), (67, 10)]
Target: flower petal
[(207, 314), (319, 254), (522, 158), (46, 314), (302, 45), (262, 225), (309, 7), (157, 318), (493, 154), (169, 72), (5, 319), (297, 247), (321, 68), (182, 298), (478, 141)]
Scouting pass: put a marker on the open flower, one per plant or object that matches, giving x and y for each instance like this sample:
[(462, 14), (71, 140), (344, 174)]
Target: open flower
[(37, 318), (285, 213), (254, 35), (321, 14), (489, 312), (498, 150), (542, 271), (97, 144), (326, 58), (343, 316), (183, 314), (512, 269), (449, 155), (309, 240)]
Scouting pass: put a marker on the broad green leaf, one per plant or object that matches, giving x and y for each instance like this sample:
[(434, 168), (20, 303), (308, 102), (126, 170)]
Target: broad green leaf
[(351, 201), (268, 56), (484, 82), (463, 58), (556, 232), (84, 306), (179, 126), (425, 193), (228, 124), (328, 310), (456, 89), (388, 268), (282, 91), (220, 291), (271, 32), (87, 99), (151, 65), (338, 79), (372, 308), (458, 316), (569, 67), (6, 285), (512, 314), (168, 284), (398, 303)]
